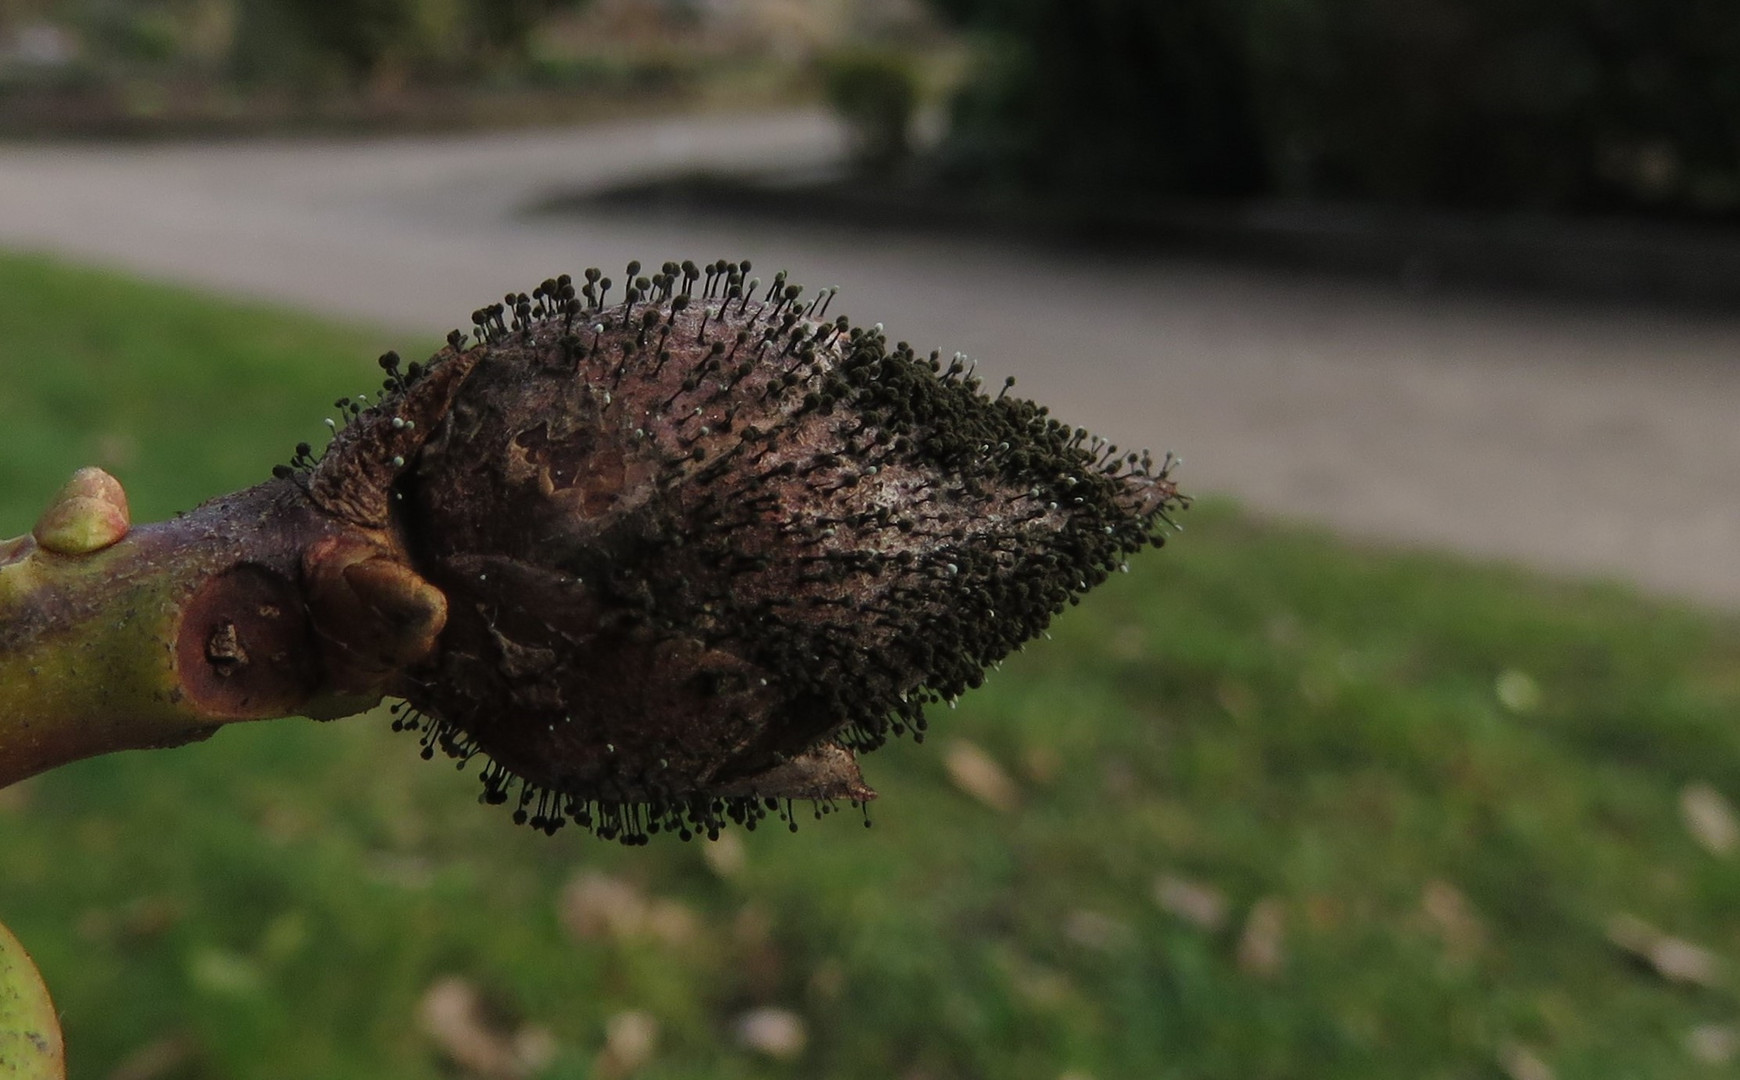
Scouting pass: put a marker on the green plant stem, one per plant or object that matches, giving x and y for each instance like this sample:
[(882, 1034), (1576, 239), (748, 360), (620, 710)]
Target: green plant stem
[(164, 636)]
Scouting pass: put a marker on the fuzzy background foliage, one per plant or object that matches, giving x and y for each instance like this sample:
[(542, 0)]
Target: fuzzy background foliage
[(1561, 106), (1270, 799)]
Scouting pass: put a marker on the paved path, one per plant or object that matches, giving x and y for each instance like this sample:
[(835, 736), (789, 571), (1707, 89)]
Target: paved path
[(1583, 441)]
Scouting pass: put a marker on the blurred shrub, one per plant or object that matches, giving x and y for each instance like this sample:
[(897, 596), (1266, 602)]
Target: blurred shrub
[(620, 74), (875, 92), (1546, 104), (1551, 104), (362, 35), (370, 40), (1081, 97), (136, 33), (501, 30)]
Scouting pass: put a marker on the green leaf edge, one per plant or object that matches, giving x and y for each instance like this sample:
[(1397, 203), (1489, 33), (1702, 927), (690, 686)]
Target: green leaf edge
[(30, 1039)]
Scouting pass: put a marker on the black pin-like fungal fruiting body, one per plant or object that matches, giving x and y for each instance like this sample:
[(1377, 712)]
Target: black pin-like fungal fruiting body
[(703, 544)]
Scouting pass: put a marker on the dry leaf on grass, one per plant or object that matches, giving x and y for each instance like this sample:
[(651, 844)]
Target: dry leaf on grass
[(1262, 951), (1674, 959), (725, 856), (1197, 903), (598, 907), (778, 1033), (977, 774), (1713, 1044), (1453, 918), (461, 1025), (1710, 819), (1521, 1063), (631, 1038)]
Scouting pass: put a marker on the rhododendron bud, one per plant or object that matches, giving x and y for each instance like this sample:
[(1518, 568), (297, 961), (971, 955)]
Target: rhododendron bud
[(703, 545)]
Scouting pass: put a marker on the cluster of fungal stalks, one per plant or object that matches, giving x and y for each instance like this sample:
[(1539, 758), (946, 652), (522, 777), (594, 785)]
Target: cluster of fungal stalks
[(703, 544)]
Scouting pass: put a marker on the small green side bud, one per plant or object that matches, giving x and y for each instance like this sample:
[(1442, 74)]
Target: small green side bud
[(89, 514)]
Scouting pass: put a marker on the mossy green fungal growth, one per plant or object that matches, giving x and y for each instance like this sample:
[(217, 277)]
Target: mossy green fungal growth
[(704, 544)]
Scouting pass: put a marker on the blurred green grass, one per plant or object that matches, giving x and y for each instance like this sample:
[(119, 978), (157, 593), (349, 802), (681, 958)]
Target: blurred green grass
[(1434, 783)]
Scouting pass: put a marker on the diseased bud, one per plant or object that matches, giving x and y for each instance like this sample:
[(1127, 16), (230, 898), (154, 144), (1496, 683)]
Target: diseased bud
[(699, 551)]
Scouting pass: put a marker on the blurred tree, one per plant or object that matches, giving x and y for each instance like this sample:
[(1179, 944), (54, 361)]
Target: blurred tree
[(1549, 104), (875, 91), (501, 31), (266, 46), (360, 36), (131, 33), (124, 34), (366, 39), (1566, 104)]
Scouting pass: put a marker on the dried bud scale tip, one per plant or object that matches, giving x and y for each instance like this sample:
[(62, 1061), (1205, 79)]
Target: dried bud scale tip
[(697, 550)]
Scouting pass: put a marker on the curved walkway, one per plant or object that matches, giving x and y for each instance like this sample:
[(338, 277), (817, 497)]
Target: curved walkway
[(1579, 440)]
